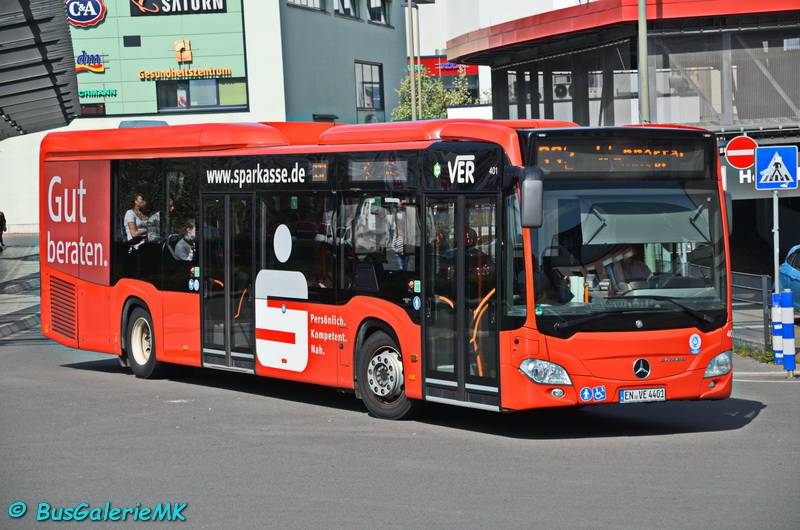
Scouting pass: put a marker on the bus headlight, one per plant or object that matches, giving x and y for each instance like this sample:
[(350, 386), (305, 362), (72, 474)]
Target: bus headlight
[(544, 372), (720, 365)]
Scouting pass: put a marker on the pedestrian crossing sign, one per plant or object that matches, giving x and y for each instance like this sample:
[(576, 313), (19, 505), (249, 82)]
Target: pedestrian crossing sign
[(776, 168)]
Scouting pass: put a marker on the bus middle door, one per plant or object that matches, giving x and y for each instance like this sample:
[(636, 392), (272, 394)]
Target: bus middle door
[(227, 242)]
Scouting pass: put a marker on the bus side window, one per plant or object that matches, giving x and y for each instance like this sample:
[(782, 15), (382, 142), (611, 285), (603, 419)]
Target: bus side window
[(308, 218), (140, 192), (382, 231)]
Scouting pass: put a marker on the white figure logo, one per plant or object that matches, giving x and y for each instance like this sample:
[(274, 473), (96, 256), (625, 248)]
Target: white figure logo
[(282, 325)]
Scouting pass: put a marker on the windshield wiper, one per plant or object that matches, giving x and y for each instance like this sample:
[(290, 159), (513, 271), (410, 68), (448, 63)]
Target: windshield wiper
[(564, 324), (699, 315)]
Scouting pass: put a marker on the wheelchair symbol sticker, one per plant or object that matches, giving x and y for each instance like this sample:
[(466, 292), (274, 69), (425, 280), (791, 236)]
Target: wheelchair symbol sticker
[(597, 393)]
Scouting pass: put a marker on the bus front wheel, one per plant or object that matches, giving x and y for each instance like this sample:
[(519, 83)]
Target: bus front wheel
[(142, 346), (381, 379)]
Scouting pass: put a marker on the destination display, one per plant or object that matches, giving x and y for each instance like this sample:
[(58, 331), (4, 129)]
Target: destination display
[(391, 170), (564, 156)]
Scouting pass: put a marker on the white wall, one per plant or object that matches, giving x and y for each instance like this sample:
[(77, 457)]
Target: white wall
[(19, 182), (482, 112)]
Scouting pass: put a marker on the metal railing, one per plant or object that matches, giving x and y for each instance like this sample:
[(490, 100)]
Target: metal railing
[(751, 307)]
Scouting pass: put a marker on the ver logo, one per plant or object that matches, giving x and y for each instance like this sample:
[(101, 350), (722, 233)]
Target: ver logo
[(463, 170)]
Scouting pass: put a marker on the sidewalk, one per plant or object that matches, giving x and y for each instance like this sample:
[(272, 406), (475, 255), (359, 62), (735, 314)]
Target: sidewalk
[(19, 283)]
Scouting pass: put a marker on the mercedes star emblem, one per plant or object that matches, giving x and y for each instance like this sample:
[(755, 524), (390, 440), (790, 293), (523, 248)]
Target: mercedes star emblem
[(641, 368)]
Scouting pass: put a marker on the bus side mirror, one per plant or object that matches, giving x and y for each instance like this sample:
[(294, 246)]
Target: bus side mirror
[(532, 197)]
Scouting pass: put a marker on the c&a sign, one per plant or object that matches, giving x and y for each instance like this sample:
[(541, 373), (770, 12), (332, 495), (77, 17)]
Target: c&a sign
[(85, 13)]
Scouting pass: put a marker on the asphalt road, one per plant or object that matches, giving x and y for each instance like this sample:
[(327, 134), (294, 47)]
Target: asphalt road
[(247, 452)]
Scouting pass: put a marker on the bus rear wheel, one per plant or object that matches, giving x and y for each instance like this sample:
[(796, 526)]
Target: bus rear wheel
[(141, 346), (381, 379)]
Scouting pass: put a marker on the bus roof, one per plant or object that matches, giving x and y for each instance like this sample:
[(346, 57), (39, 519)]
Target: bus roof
[(212, 137), (422, 130), (301, 132), (170, 139)]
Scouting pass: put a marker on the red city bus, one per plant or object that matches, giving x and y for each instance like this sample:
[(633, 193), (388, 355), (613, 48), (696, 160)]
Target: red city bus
[(499, 265)]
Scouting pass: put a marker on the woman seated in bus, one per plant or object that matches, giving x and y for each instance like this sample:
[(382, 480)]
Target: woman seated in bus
[(135, 221), (184, 250)]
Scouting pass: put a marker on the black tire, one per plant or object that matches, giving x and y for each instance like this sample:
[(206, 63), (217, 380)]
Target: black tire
[(381, 381), (141, 346)]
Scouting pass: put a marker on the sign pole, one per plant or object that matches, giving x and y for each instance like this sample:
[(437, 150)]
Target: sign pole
[(776, 241)]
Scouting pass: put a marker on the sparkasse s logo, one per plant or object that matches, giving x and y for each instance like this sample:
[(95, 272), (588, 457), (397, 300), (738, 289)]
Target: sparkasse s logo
[(85, 13)]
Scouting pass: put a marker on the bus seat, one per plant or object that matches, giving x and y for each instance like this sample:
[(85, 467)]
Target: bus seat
[(365, 278)]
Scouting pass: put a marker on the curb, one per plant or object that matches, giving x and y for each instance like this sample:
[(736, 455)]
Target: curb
[(22, 324)]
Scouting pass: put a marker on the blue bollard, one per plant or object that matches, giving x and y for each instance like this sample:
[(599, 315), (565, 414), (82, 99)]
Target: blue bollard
[(777, 328), (788, 330)]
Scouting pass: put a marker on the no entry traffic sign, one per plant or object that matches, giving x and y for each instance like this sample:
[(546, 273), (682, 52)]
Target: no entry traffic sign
[(741, 152)]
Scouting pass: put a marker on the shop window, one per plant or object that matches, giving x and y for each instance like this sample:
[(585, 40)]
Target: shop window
[(96, 109), (201, 93), (232, 92)]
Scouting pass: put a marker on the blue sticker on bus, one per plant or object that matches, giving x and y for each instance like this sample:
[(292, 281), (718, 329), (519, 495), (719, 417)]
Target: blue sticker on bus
[(694, 344), (597, 393)]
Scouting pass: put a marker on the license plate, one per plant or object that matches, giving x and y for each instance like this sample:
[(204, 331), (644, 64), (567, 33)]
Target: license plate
[(642, 395)]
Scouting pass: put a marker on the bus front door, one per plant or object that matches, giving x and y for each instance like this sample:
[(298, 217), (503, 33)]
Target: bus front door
[(227, 242), (460, 294)]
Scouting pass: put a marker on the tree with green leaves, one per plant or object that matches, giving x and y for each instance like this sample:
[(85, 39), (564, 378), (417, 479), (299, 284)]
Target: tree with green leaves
[(435, 98)]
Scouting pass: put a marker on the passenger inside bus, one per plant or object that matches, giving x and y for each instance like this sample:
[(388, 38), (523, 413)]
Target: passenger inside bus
[(184, 248), (135, 221)]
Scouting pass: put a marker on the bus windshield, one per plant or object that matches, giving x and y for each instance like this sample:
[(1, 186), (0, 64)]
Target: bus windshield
[(616, 256)]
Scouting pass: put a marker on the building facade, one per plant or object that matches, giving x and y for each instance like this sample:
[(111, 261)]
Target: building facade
[(295, 60), (271, 60), (730, 67), (343, 59), (197, 61)]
